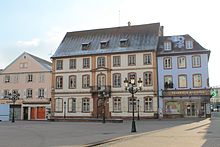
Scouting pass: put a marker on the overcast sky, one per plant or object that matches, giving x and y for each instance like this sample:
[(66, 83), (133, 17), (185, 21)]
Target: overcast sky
[(38, 26)]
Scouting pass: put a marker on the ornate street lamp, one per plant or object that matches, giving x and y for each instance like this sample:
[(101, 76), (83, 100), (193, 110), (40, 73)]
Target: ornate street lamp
[(130, 86), (14, 97)]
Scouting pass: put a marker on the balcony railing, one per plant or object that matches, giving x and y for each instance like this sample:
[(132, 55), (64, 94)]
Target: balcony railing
[(96, 89)]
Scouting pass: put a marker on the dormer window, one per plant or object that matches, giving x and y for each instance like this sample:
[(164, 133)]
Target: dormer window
[(189, 44), (86, 46), (123, 42), (167, 46), (104, 44)]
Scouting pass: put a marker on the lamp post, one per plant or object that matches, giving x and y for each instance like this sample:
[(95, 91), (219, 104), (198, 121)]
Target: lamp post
[(138, 110), (64, 110), (14, 96), (130, 86)]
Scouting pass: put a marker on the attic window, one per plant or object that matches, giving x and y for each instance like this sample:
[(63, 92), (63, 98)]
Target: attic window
[(189, 44), (104, 44), (167, 46), (86, 46), (123, 42)]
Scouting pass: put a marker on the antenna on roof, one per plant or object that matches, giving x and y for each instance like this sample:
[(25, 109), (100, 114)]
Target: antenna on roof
[(119, 18)]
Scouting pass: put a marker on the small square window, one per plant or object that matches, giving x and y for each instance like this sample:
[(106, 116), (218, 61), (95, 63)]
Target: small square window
[(124, 43), (86, 46), (189, 44), (104, 44)]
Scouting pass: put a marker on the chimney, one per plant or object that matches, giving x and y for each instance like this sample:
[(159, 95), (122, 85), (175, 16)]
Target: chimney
[(161, 31), (129, 23)]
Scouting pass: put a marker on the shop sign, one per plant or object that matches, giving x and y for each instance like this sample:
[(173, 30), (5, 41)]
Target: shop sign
[(201, 92)]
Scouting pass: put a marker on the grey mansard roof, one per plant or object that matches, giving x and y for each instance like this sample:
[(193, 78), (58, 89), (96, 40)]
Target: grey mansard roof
[(140, 38), (178, 45)]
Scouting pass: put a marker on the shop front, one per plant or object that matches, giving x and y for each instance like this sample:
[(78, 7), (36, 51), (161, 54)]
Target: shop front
[(185, 103)]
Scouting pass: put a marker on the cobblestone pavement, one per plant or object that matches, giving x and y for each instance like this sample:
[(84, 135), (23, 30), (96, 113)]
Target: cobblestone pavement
[(49, 134), (205, 133)]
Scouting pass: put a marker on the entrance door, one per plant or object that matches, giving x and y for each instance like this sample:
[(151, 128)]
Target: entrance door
[(190, 109), (40, 112), (25, 113)]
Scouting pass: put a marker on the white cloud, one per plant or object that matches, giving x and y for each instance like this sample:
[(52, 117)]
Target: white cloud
[(55, 35), (29, 43)]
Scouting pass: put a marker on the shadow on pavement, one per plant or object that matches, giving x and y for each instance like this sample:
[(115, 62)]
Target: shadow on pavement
[(212, 133)]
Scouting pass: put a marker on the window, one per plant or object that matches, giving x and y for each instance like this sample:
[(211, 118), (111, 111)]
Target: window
[(86, 63), (101, 81), (41, 93), (101, 62), (72, 82), (130, 104), (181, 61), (132, 75), (131, 60), (59, 64), (117, 104), (23, 65), (59, 82), (86, 46), (85, 81), (197, 80), (72, 64), (6, 92), (116, 61), (15, 78), (72, 105), (148, 79), (116, 80), (124, 43), (29, 93), (189, 44), (58, 105), (104, 44), (167, 46), (148, 104), (30, 78), (168, 81), (41, 78), (182, 81), (167, 63), (85, 105), (196, 61), (7, 78), (147, 59)]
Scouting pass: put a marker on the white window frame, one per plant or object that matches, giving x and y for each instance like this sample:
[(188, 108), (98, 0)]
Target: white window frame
[(86, 62), (85, 81), (58, 105), (167, 63), (85, 105), (148, 104), (72, 81), (29, 93), (196, 61), (100, 62), (72, 105), (189, 44), (116, 61), (167, 46), (130, 104), (59, 82), (116, 80), (41, 92), (117, 104), (72, 64), (59, 64)]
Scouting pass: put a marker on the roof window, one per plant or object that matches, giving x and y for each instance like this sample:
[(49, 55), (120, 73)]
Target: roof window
[(86, 46), (123, 42), (189, 44), (167, 46), (104, 44)]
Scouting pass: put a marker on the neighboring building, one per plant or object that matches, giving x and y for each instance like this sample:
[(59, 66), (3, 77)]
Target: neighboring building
[(183, 77), (215, 100), (30, 76), (89, 62)]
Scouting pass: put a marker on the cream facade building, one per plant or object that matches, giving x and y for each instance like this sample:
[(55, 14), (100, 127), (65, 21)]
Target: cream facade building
[(89, 68), (30, 76)]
